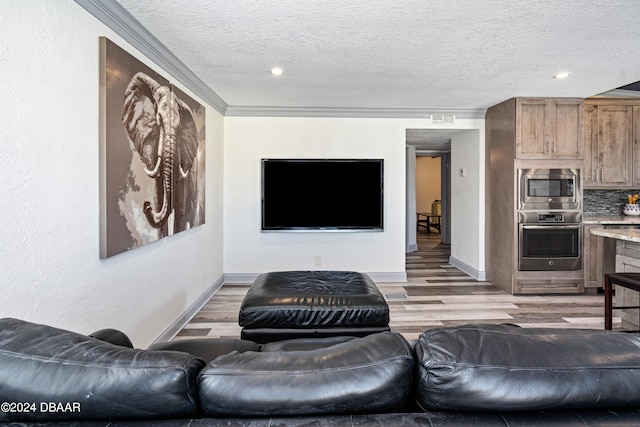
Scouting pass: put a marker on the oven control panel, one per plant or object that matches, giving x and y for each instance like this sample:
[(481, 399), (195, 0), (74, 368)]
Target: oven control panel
[(555, 217), (564, 217)]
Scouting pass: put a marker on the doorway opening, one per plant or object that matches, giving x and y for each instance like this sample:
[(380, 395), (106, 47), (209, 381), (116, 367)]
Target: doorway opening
[(428, 183), (462, 192), (429, 194)]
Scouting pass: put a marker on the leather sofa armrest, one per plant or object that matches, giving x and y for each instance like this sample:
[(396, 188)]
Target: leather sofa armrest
[(112, 336), (99, 380)]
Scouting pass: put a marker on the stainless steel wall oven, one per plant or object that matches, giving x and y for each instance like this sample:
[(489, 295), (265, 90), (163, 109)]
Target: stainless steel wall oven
[(550, 241)]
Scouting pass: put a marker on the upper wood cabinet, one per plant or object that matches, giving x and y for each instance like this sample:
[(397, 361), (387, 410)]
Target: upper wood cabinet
[(549, 128), (636, 146), (608, 160)]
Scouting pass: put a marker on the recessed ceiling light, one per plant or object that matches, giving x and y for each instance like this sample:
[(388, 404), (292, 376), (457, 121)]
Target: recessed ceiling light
[(277, 71), (562, 75)]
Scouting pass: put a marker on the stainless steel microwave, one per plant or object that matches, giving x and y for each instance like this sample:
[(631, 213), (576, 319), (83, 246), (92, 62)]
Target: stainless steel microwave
[(549, 189)]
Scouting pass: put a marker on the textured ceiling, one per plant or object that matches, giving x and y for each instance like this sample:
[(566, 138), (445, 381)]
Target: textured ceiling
[(403, 54)]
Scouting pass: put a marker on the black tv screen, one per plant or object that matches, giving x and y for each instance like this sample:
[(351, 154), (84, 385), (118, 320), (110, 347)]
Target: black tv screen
[(322, 194)]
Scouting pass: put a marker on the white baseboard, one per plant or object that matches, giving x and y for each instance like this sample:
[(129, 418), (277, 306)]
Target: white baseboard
[(376, 277), (480, 276), (191, 311), (240, 277), (388, 277), (412, 247)]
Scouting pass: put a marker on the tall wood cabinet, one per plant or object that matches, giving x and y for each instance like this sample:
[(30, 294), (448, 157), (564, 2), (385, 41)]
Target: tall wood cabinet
[(526, 133), (549, 128)]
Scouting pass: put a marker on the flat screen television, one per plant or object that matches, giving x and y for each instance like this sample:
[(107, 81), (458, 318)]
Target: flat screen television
[(322, 194)]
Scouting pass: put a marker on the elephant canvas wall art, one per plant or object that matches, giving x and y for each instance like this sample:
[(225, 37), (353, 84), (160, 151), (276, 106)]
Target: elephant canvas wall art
[(152, 154)]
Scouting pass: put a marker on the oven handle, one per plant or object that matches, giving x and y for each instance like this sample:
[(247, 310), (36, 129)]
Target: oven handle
[(542, 227)]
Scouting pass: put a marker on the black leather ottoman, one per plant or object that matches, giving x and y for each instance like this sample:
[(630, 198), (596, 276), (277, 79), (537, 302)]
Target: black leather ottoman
[(305, 304)]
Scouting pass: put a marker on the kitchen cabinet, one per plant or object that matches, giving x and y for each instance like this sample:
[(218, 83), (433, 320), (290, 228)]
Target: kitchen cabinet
[(609, 157), (627, 261), (626, 254), (549, 286), (549, 128), (592, 257), (636, 147), (598, 254), (625, 251)]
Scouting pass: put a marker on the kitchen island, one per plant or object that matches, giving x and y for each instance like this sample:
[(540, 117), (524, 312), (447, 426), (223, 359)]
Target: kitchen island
[(610, 220), (624, 235), (596, 248), (626, 259)]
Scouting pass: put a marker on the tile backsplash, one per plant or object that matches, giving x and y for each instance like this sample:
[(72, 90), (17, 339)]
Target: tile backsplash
[(605, 202)]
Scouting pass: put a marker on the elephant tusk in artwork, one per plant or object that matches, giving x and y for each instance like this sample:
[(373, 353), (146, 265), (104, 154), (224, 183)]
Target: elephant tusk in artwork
[(154, 172), (158, 218)]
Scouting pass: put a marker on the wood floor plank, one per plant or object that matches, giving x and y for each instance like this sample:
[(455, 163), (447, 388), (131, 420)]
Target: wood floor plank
[(437, 294)]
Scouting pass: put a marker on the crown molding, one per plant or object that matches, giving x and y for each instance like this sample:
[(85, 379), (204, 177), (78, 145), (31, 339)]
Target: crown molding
[(118, 19), (114, 16), (378, 113)]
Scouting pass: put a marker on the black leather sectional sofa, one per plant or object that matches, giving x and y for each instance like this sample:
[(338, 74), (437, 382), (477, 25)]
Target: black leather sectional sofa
[(472, 375)]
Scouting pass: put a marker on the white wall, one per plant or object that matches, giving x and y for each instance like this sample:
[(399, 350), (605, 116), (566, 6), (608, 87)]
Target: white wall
[(49, 224), (467, 202), (247, 140)]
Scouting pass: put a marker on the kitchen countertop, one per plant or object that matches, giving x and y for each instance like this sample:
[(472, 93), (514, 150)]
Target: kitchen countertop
[(628, 234), (616, 219)]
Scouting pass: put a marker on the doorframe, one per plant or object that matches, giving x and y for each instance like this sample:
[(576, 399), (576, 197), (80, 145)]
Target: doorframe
[(411, 242), (445, 190)]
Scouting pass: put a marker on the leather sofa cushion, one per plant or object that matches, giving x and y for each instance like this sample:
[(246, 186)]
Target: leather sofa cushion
[(369, 374), (90, 378), (506, 368), (207, 348), (309, 299), (305, 344)]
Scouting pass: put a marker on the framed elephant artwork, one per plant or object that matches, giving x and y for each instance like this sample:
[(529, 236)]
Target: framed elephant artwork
[(152, 155)]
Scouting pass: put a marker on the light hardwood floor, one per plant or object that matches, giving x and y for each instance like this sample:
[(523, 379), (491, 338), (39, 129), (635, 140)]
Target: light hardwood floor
[(436, 294)]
